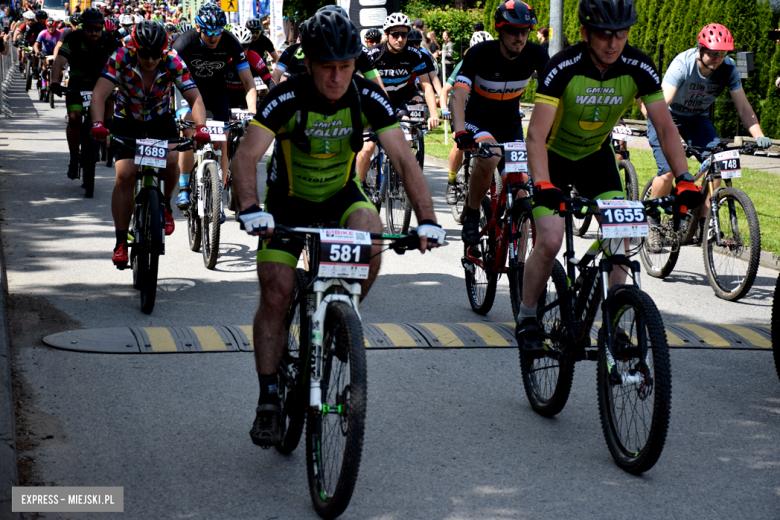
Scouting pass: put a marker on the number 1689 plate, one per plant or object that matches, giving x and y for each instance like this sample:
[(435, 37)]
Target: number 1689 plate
[(344, 253)]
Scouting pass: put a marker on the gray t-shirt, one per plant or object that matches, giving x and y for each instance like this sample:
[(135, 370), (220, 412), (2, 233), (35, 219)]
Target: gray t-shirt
[(696, 93)]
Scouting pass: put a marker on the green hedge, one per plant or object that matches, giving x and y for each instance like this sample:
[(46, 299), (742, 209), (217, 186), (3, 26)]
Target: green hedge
[(460, 24)]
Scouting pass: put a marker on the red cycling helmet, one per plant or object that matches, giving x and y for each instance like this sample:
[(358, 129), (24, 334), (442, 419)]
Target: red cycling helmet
[(51, 22), (716, 37), (514, 12), (109, 26)]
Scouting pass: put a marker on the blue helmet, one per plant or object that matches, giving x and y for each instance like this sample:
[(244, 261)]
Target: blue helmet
[(211, 17)]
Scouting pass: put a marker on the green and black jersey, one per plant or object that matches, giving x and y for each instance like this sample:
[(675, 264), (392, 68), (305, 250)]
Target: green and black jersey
[(588, 102), (326, 168)]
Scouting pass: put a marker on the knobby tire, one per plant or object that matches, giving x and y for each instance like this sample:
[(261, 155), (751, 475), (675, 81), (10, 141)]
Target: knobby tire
[(212, 211), (152, 241), (481, 283), (194, 233), (523, 220), (658, 265)]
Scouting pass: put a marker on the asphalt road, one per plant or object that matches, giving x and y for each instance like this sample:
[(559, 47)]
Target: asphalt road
[(449, 435)]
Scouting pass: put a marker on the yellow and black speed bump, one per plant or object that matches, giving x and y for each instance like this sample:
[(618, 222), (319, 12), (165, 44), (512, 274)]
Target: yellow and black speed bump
[(157, 340)]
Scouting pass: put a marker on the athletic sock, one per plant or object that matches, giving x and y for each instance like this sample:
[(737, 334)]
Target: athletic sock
[(526, 312), (269, 389), (74, 157), (121, 236), (184, 180), (167, 201), (451, 178)]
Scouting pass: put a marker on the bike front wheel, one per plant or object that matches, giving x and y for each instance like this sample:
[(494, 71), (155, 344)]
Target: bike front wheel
[(212, 212), (522, 243), (731, 260), (398, 212), (659, 264), (293, 391), (372, 185), (194, 233), (152, 243), (481, 280), (634, 382), (547, 380), (462, 189), (334, 436)]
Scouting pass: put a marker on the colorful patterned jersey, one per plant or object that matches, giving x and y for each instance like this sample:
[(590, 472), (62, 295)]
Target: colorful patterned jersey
[(123, 70)]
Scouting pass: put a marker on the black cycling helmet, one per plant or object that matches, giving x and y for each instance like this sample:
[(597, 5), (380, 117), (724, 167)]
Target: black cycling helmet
[(373, 34), (40, 13), (211, 17), (150, 36), (329, 36), (254, 24), (92, 15), (335, 9), (607, 14), (75, 19), (414, 36), (514, 12)]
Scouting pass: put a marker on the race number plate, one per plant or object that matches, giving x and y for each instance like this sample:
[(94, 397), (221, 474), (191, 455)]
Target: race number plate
[(622, 133), (515, 157), (86, 98), (259, 84), (728, 164), (623, 218), (216, 130), (240, 114), (344, 253), (151, 152), (416, 113)]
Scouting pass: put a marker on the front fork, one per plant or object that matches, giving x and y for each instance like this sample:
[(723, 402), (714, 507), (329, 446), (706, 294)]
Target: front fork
[(322, 301)]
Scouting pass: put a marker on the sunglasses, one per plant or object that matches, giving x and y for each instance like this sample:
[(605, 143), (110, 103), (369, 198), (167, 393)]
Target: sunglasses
[(517, 31), (256, 32), (215, 32), (620, 34), (399, 35), (92, 28), (149, 55), (716, 54)]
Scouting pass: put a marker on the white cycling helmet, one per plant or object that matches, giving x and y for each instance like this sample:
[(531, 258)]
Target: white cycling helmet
[(125, 20), (28, 15), (479, 37), (137, 19), (242, 34), (396, 20)]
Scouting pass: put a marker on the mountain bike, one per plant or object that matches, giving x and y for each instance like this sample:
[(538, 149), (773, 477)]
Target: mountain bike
[(322, 377), (731, 237), (506, 229), (620, 134), (633, 369), (146, 235), (205, 212), (44, 94)]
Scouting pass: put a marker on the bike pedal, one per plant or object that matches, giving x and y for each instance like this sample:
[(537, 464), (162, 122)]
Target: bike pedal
[(121, 266)]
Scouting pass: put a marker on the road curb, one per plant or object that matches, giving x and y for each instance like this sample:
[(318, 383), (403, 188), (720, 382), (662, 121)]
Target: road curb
[(765, 260)]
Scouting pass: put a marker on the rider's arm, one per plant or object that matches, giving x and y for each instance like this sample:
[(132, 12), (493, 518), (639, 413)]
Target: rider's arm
[(430, 100), (196, 105), (542, 119), (435, 82), (277, 74), (443, 96), (460, 94), (103, 89), (59, 64), (746, 112), (251, 91), (36, 47), (668, 136), (57, 48), (244, 166)]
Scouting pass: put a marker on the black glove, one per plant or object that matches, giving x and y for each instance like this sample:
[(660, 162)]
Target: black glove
[(57, 89), (687, 193), (464, 140), (547, 195)]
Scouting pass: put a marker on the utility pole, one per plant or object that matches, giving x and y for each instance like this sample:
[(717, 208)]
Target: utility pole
[(556, 24)]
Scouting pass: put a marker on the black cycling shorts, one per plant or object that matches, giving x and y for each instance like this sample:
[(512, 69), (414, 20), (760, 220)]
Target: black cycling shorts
[(504, 133), (161, 127), (595, 176), (294, 211)]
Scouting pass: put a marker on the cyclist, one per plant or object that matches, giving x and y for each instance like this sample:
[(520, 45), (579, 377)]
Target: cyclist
[(236, 92), (47, 40), (485, 101), (207, 52), (373, 37), (321, 185), (18, 36), (693, 81), (29, 31), (398, 65), (126, 21), (260, 42), (415, 39), (86, 50), (144, 72), (74, 23), (582, 92)]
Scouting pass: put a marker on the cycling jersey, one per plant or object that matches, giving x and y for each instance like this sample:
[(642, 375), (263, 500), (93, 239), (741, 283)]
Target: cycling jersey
[(326, 168), (48, 41), (695, 93), (33, 30), (236, 92), (398, 70), (590, 102), (86, 59), (291, 62), (132, 101), (262, 45), (209, 67), (65, 33), (496, 83)]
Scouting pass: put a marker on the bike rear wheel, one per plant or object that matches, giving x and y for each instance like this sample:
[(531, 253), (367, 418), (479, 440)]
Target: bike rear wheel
[(661, 264), (481, 281), (151, 240), (732, 266), (212, 212), (634, 403), (293, 392), (372, 185), (462, 188), (194, 233), (50, 95), (398, 211), (547, 380), (334, 437), (523, 244), (630, 179)]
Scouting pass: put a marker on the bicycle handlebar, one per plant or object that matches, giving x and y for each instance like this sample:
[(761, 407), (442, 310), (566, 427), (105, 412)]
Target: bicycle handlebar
[(582, 206), (695, 151), (401, 243), (186, 142)]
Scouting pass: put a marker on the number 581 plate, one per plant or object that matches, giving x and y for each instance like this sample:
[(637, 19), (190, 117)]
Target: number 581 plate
[(344, 253)]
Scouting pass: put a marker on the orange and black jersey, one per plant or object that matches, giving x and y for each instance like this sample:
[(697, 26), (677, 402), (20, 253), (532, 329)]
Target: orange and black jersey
[(496, 82)]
